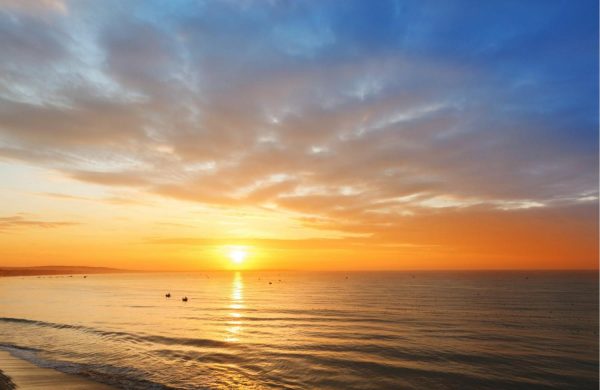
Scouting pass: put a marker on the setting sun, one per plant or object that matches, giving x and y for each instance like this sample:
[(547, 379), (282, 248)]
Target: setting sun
[(237, 254)]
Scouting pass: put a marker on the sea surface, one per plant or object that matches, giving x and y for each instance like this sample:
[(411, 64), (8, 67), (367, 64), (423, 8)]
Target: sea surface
[(302, 330)]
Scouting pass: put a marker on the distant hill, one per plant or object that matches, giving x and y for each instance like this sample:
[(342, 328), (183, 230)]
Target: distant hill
[(57, 270)]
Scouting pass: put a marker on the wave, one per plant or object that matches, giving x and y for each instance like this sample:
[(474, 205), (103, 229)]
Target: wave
[(137, 338), (107, 374)]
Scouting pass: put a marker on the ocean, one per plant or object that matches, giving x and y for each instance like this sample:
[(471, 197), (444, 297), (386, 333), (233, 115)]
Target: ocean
[(310, 330)]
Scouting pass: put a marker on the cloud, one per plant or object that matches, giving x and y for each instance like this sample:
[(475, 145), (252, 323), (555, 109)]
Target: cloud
[(35, 7), (110, 178), (116, 200), (17, 222)]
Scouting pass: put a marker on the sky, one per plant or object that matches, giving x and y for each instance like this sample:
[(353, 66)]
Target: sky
[(309, 135)]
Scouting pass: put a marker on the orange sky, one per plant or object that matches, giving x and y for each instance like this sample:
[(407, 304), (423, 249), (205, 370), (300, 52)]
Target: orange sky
[(159, 139), (156, 233)]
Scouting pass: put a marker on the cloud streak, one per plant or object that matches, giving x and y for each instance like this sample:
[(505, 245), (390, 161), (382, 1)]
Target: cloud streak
[(16, 222)]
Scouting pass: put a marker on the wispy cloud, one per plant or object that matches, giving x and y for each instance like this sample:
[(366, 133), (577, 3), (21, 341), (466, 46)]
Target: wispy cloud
[(18, 222)]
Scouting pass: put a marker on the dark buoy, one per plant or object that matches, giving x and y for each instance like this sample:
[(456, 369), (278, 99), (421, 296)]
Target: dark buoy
[(185, 299), (270, 282), (168, 295)]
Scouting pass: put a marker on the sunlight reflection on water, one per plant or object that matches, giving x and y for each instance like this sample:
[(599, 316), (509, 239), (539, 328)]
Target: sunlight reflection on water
[(237, 300)]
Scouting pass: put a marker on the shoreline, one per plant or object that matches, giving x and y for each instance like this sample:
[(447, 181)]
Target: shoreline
[(17, 373)]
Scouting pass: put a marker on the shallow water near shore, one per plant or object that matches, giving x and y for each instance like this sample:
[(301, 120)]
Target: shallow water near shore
[(296, 330)]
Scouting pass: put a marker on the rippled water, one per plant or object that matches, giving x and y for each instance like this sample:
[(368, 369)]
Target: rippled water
[(310, 330)]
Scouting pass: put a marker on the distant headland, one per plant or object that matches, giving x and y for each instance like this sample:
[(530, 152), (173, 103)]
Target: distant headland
[(58, 270)]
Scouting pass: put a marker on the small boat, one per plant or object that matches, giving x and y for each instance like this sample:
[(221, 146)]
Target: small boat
[(185, 299), (168, 295)]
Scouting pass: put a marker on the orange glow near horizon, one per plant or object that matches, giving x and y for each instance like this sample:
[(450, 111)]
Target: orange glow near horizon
[(482, 240), (163, 234)]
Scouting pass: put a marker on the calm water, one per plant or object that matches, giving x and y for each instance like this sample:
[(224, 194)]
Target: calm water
[(310, 330)]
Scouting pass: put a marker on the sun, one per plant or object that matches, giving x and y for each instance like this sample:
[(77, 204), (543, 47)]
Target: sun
[(237, 254)]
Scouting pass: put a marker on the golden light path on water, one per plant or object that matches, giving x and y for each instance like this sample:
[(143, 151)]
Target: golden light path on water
[(237, 303)]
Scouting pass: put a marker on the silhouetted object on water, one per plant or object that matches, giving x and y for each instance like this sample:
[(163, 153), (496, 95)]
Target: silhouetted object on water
[(185, 299), (270, 282), (168, 295)]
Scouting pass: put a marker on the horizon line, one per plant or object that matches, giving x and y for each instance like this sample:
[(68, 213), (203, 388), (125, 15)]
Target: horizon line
[(126, 270)]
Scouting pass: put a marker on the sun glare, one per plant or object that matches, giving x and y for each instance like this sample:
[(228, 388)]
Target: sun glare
[(237, 254)]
